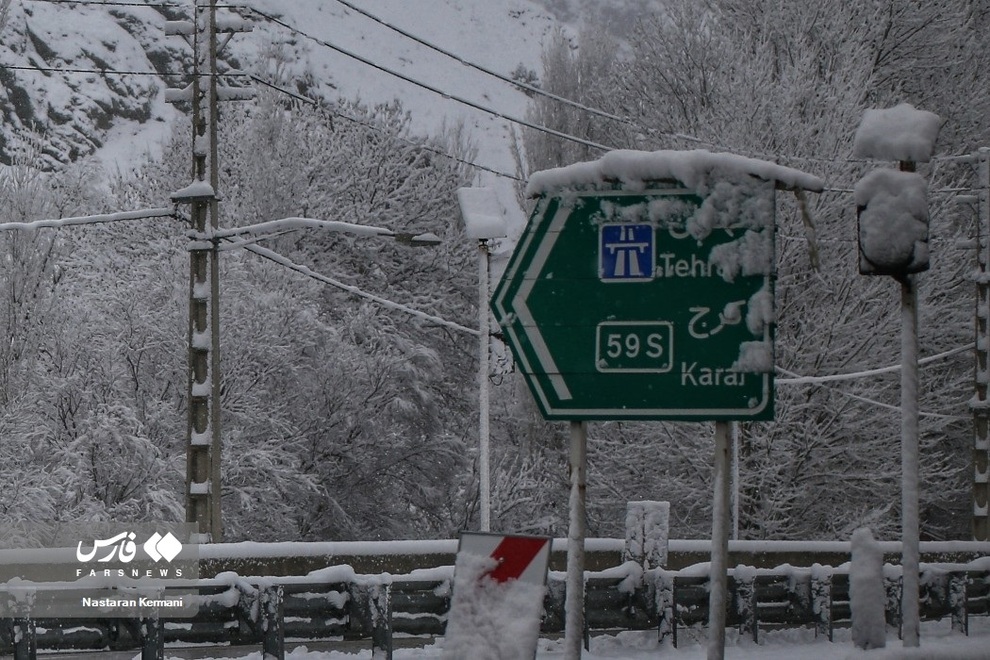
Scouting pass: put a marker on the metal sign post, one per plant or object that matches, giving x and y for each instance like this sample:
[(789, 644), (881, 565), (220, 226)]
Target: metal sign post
[(574, 598), (718, 576)]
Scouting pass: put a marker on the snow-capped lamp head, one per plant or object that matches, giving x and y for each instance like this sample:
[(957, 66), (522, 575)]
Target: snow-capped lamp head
[(892, 205)]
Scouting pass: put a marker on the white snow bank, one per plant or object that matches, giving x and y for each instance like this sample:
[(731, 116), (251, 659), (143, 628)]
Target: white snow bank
[(947, 649), (893, 220), (692, 168), (898, 133)]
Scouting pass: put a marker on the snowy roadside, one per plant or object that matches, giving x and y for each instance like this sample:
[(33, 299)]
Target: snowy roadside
[(937, 643)]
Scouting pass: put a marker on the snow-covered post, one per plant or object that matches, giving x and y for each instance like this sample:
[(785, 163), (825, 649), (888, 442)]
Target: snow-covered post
[(718, 574), (482, 222), (736, 439), (647, 531), (892, 208), (25, 639), (574, 597), (867, 597), (910, 526)]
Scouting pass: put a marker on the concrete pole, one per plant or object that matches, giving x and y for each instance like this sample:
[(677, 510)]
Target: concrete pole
[(203, 429), (574, 597), (718, 576), (981, 414), (910, 533), (484, 456)]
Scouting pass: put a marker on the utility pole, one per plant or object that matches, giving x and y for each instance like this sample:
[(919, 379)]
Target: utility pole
[(203, 437), (980, 404)]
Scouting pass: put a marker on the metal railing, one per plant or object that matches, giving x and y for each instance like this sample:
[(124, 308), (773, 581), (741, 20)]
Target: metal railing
[(337, 603)]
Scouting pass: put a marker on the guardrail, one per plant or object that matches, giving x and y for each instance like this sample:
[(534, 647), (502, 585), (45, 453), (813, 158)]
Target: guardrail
[(337, 603)]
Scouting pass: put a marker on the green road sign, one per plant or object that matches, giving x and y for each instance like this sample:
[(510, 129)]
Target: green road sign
[(653, 304)]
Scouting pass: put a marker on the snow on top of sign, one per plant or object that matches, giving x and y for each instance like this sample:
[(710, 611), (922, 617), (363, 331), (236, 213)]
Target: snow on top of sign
[(898, 133), (692, 168), (893, 220), (482, 214)]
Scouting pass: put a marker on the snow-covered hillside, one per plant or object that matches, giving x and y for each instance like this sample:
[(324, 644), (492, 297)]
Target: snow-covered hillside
[(55, 97), (53, 54)]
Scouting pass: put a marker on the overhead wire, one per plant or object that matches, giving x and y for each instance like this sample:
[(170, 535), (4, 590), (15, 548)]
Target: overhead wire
[(560, 99), (432, 88), (421, 145), (532, 89), (112, 3), (797, 379), (282, 260), (101, 71)]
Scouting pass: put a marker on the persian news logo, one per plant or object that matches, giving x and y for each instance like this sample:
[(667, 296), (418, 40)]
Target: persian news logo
[(122, 548)]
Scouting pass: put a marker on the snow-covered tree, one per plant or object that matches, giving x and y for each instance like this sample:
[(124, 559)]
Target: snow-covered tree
[(788, 81), (334, 409)]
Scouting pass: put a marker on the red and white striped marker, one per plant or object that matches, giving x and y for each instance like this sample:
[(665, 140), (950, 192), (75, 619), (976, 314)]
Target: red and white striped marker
[(499, 585), (518, 557)]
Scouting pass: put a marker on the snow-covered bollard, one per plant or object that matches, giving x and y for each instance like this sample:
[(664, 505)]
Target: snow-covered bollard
[(867, 597), (647, 525)]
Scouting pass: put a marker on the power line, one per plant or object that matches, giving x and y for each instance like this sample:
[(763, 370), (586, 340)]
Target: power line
[(369, 125), (516, 83), (525, 86), (111, 3), (431, 88), (522, 122), (477, 67), (797, 379), (282, 260), (52, 69), (113, 72)]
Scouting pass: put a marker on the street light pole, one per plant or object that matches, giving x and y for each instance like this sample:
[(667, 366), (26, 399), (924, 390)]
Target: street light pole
[(484, 467), (482, 222)]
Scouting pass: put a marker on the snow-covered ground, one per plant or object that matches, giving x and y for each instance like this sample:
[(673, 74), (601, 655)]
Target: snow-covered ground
[(937, 643)]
